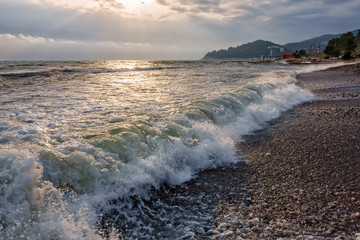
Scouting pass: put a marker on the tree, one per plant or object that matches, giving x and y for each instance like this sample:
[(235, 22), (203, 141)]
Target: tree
[(300, 54), (348, 41), (344, 45), (349, 44), (358, 43), (333, 49)]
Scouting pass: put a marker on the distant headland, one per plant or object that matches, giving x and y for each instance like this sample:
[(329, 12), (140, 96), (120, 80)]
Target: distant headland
[(267, 50)]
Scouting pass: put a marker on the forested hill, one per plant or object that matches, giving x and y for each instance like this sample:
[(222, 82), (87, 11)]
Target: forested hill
[(261, 47), (248, 50), (320, 41)]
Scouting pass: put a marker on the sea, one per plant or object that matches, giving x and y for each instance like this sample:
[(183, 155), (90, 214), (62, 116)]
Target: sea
[(92, 149)]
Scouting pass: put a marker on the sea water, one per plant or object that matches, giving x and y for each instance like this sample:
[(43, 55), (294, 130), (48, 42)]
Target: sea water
[(86, 147)]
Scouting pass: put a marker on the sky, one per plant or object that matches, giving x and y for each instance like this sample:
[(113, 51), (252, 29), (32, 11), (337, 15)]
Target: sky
[(161, 29)]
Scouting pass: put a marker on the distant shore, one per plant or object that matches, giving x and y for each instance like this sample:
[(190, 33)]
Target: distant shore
[(312, 60), (308, 60)]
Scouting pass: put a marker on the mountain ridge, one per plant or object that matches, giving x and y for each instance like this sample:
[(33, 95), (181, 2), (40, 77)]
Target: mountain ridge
[(248, 50), (259, 48), (321, 41)]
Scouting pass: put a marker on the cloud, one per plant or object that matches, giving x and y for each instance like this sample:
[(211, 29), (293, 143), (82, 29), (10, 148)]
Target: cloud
[(210, 9), (31, 39), (26, 47), (143, 9), (162, 28), (31, 47), (135, 44), (262, 10), (80, 5)]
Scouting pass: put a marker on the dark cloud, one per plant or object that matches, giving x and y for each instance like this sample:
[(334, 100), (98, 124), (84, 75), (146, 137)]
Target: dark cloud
[(187, 6)]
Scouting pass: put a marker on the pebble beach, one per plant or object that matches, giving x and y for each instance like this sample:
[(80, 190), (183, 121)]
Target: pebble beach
[(300, 178)]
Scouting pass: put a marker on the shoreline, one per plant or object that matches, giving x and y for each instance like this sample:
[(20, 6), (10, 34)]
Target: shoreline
[(300, 177), (305, 169)]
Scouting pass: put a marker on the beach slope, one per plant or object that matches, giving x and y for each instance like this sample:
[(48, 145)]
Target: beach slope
[(304, 168)]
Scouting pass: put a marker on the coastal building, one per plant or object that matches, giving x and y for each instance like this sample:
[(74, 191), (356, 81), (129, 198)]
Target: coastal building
[(287, 56)]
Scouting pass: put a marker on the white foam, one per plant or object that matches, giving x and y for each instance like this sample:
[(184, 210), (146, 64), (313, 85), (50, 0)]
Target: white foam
[(33, 209), (318, 67)]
